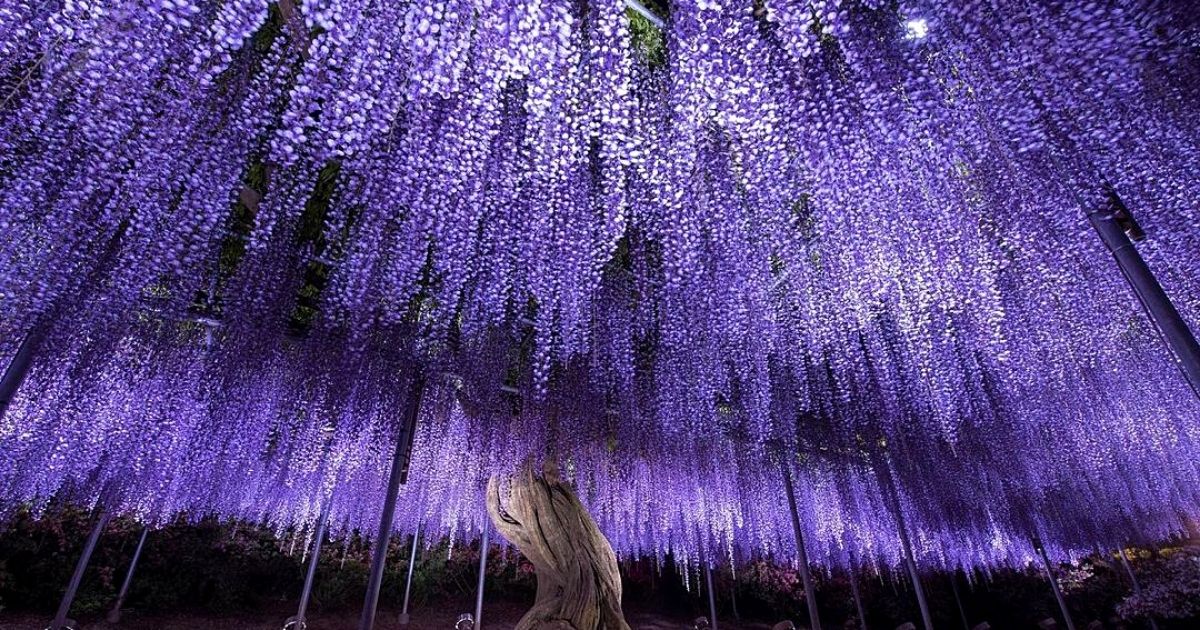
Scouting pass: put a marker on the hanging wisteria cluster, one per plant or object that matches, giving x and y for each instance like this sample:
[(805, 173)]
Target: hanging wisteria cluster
[(845, 238)]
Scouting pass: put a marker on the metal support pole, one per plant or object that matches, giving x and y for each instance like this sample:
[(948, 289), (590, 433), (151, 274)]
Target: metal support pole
[(412, 561), (1110, 224), (1137, 588), (18, 368), (810, 594), (483, 551), (60, 618), (733, 598), (379, 553), (712, 599), (1062, 603), (962, 612), (114, 615), (909, 561), (300, 621), (858, 606)]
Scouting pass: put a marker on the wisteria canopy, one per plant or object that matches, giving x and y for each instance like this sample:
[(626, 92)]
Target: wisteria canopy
[(842, 238)]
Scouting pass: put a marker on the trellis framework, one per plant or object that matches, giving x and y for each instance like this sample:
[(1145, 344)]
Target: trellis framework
[(664, 257)]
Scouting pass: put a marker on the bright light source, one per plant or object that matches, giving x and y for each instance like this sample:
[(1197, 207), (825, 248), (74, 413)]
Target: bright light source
[(916, 29)]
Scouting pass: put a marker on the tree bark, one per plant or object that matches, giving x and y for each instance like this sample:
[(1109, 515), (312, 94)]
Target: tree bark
[(579, 584)]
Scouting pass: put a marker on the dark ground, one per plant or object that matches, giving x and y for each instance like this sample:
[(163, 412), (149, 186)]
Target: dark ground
[(496, 616)]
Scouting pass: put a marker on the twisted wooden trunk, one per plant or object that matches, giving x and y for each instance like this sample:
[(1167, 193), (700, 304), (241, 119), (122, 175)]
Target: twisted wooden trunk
[(579, 586)]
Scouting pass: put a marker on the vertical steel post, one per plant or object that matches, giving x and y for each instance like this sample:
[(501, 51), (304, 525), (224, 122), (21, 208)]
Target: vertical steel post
[(712, 599), (914, 575), (962, 612), (1174, 330), (412, 561), (18, 368), (1062, 603), (733, 597), (858, 606), (810, 594), (906, 545), (64, 606), (483, 551), (300, 621), (114, 615), (1137, 588), (379, 553)]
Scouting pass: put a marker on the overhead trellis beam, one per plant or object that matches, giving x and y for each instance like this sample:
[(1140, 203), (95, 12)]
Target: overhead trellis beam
[(650, 16), (1113, 222), (295, 23), (18, 368)]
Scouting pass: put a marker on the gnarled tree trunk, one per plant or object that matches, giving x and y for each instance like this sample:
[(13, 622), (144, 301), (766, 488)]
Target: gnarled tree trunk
[(579, 586)]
